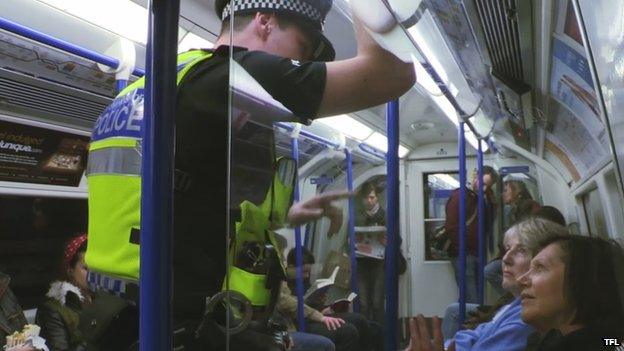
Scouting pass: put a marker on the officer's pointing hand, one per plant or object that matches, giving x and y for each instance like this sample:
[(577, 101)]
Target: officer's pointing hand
[(317, 207)]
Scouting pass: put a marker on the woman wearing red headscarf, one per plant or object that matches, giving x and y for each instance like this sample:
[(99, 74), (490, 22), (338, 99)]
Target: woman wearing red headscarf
[(58, 316)]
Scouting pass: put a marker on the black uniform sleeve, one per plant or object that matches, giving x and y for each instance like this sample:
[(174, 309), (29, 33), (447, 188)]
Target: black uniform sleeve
[(297, 85)]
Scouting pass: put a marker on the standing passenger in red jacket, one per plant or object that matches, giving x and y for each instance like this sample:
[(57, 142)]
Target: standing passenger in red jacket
[(490, 177)]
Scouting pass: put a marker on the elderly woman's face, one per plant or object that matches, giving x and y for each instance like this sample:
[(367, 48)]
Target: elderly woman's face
[(515, 263), (543, 303)]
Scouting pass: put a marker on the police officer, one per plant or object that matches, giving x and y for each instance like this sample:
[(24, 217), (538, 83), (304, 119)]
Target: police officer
[(281, 44)]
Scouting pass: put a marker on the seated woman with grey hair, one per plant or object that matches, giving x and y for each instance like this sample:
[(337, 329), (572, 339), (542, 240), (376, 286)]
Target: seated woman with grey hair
[(506, 330)]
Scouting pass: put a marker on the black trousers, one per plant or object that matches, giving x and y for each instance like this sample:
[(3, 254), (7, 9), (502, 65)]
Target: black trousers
[(361, 324), (212, 338), (346, 338)]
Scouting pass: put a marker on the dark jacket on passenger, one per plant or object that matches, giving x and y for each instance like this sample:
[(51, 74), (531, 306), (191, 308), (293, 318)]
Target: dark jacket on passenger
[(58, 317), (12, 317), (523, 209), (364, 220), (472, 233)]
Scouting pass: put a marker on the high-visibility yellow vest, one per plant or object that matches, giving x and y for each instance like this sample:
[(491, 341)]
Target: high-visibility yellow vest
[(114, 178), (256, 225)]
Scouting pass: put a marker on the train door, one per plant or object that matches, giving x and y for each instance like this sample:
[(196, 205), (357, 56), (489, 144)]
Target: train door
[(429, 184)]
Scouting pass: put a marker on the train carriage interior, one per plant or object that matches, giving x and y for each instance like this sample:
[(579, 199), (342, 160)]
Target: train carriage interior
[(531, 89)]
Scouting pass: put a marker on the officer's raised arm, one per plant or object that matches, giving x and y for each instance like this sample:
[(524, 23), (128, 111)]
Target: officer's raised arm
[(373, 77), (312, 85)]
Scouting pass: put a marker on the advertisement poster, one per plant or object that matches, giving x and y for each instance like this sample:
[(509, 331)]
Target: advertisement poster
[(574, 144), (25, 55), (577, 128), (38, 155), (572, 85), (555, 148)]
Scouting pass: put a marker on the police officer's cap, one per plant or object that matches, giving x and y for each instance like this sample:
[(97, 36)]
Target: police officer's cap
[(310, 12)]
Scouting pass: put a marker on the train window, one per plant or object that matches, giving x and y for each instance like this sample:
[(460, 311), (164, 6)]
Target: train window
[(438, 188), (33, 231), (594, 214)]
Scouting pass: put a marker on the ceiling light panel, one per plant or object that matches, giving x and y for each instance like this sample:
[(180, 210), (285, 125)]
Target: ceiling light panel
[(122, 17), (380, 142), (424, 79), (347, 126)]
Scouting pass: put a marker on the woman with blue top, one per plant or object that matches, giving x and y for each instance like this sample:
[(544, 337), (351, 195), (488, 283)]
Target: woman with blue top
[(506, 331)]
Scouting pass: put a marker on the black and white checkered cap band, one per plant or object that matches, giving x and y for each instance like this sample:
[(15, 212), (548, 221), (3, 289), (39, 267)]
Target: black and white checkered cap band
[(296, 6)]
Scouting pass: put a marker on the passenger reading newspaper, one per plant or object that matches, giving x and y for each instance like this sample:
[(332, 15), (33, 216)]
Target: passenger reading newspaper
[(370, 241)]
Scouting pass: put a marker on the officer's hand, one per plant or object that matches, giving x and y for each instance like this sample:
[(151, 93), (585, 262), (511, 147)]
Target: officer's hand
[(332, 323), (317, 207), (335, 217)]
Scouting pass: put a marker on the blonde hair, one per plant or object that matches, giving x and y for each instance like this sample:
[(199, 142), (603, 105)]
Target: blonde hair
[(533, 230)]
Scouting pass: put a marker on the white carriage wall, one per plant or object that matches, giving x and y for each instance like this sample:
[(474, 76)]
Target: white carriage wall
[(431, 285)]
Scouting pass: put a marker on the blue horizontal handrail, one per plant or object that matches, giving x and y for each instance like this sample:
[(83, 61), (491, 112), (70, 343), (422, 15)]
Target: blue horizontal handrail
[(63, 45), (372, 151), (363, 147), (309, 135)]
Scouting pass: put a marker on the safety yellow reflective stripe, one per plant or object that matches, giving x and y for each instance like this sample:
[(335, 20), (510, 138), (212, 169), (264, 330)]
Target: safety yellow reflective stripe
[(134, 86), (114, 160), (113, 142), (202, 56), (189, 59)]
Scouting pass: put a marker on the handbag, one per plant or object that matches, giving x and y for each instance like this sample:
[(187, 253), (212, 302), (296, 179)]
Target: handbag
[(401, 263), (442, 240)]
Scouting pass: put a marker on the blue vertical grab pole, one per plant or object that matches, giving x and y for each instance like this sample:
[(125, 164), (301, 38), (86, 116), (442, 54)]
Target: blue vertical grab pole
[(155, 327), (121, 84), (462, 222), (392, 222), (481, 222), (298, 247), (351, 231)]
